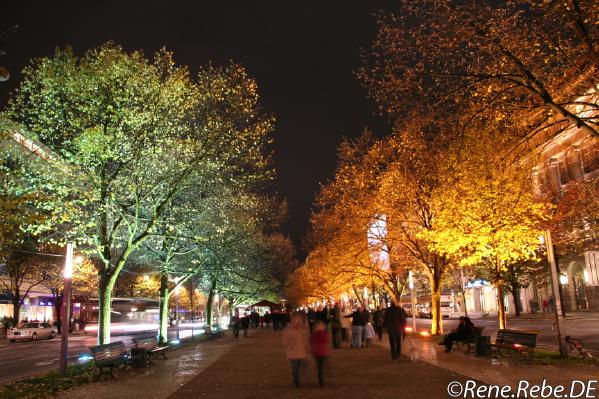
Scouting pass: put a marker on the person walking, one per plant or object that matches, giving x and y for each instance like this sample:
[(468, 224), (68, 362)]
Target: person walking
[(319, 341), (335, 324), (346, 326), (245, 324), (357, 325), (312, 315), (377, 322), (235, 325), (395, 322), (297, 345)]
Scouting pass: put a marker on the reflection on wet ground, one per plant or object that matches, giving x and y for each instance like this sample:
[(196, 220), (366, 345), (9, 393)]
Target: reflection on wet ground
[(505, 370), (161, 378)]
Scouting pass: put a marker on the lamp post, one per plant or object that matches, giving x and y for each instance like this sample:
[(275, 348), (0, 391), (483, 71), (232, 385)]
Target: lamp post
[(412, 299), (66, 308), (557, 301), (177, 310)]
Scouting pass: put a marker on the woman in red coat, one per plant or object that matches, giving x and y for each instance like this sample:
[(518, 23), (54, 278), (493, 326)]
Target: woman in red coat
[(319, 341)]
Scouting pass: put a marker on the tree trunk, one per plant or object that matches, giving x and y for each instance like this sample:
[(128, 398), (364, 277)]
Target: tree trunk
[(104, 308), (16, 309), (500, 305), (436, 316), (164, 300), (57, 311), (210, 304), (516, 296)]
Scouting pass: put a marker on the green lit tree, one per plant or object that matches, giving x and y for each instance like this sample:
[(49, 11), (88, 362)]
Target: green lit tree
[(130, 135)]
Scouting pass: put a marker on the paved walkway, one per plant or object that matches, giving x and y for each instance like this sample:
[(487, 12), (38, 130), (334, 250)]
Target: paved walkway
[(257, 368), (159, 380), (506, 370)]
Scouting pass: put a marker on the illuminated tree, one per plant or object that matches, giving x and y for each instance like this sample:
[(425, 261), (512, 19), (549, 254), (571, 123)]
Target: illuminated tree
[(575, 222), (532, 62), (488, 215), (131, 134)]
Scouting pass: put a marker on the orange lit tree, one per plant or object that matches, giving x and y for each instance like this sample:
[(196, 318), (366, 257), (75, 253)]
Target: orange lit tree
[(532, 61), (488, 216)]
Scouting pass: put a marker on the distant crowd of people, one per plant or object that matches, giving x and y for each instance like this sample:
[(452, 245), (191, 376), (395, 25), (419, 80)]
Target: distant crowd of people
[(278, 318), (311, 332)]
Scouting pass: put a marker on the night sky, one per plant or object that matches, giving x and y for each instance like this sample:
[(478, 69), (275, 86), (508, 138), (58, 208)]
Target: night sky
[(301, 53)]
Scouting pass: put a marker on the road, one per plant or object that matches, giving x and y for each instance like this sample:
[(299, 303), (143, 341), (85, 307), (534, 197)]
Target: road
[(585, 330), (21, 359)]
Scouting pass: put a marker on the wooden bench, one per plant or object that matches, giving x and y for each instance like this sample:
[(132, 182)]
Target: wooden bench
[(471, 339), (110, 356), (522, 342), (150, 344), (213, 334)]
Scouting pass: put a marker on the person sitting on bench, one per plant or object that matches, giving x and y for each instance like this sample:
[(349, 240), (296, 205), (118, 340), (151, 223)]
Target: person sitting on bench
[(461, 333)]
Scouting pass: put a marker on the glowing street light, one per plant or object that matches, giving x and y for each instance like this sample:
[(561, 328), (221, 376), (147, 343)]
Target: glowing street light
[(66, 308), (412, 299)]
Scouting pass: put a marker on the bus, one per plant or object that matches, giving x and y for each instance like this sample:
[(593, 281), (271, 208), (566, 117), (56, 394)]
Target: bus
[(128, 315)]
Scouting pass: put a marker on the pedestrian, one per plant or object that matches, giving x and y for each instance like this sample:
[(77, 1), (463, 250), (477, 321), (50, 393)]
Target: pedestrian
[(357, 325), (368, 334), (245, 324), (377, 322), (346, 326), (235, 325), (395, 322), (297, 345), (267, 319), (335, 324), (319, 341), (312, 315), (254, 318), (275, 317), (462, 332)]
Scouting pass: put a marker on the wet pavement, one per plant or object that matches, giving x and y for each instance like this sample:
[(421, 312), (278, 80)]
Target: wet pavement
[(160, 379), (257, 368), (505, 370)]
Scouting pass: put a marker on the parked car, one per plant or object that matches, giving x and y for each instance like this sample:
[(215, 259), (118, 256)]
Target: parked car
[(32, 331), (423, 311)]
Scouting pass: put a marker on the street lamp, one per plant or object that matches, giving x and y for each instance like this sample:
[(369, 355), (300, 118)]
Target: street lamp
[(66, 308), (557, 301), (412, 299), (177, 309)]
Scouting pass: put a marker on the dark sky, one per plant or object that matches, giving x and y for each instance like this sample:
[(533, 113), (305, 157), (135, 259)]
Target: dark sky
[(302, 54)]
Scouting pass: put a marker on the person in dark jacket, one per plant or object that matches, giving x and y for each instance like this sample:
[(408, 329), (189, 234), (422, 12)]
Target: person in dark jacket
[(462, 332), (357, 327), (312, 316), (335, 324), (395, 322), (245, 324), (378, 322), (319, 341)]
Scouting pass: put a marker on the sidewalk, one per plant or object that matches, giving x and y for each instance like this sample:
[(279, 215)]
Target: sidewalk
[(160, 379), (580, 315), (505, 371), (257, 368)]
